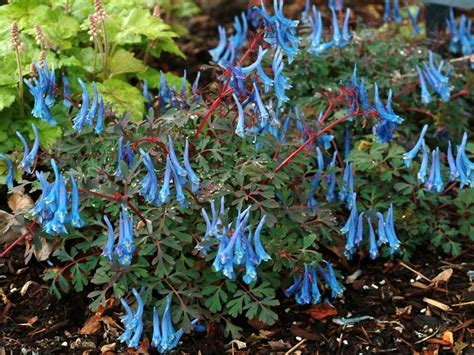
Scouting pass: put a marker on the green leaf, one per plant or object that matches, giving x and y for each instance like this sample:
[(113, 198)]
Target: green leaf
[(125, 62), (7, 97), (124, 97)]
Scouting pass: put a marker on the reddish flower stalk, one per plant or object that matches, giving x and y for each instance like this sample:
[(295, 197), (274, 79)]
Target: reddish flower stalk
[(29, 232), (318, 134), (226, 90), (150, 140)]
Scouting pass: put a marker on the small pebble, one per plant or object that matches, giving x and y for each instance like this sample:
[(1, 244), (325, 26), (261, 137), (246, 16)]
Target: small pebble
[(411, 280), (345, 342), (374, 286), (382, 282), (299, 338), (423, 310), (418, 277), (64, 343)]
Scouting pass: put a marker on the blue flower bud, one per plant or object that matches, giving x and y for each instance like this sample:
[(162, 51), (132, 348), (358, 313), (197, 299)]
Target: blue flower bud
[(9, 178)]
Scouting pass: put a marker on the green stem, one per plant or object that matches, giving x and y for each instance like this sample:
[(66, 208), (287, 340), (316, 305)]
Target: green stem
[(106, 51)]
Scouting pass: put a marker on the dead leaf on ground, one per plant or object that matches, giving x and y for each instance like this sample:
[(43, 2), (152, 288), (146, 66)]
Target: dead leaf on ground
[(443, 276), (321, 311), (448, 338), (279, 345), (91, 326), (437, 304), (30, 322), (20, 201), (108, 348)]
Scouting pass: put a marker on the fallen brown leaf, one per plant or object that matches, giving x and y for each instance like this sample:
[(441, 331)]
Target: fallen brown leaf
[(448, 338), (91, 326), (279, 345), (19, 201), (437, 304), (107, 348), (321, 311), (443, 276)]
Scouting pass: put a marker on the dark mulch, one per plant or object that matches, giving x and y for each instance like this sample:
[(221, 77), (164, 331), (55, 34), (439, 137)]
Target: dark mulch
[(396, 298)]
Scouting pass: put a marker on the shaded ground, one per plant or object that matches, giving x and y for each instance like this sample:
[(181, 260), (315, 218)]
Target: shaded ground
[(402, 304)]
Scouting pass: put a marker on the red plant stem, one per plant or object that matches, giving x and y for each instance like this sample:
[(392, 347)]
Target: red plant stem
[(449, 188), (314, 136), (463, 92), (137, 212), (227, 91), (153, 140), (19, 240)]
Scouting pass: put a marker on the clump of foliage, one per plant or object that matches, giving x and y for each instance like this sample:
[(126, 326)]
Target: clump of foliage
[(291, 160), (109, 43)]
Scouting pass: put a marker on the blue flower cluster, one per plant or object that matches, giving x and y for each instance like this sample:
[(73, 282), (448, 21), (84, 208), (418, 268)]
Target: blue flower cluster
[(437, 81), (317, 46), (392, 14), (280, 31), (461, 168), (124, 154), (9, 177), (305, 287), (413, 18), (43, 91), (461, 37), (388, 119), (238, 246), (51, 209), (92, 115), (164, 337), (169, 98), (126, 245), (354, 231), (228, 48), (180, 175), (29, 157)]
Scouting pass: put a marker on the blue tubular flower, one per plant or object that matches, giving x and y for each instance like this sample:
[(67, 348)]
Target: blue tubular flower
[(9, 178), (24, 164), (240, 129), (146, 94), (262, 111), (386, 113), (258, 62), (430, 182), (425, 94), (343, 192), (330, 277), (360, 229), (387, 12), (424, 164), (195, 181), (125, 245), (347, 142), (99, 126), (293, 288), (81, 117), (280, 32), (266, 80), (330, 194), (346, 34), (438, 179), (350, 229), (336, 32), (156, 337), (118, 172), (109, 246), (241, 30), (95, 105), (317, 47), (169, 337), (196, 97), (66, 92), (76, 220), (250, 262), (179, 189), (452, 164), (396, 12), (165, 189), (217, 52), (177, 168), (305, 15), (303, 296), (410, 155), (60, 215), (149, 183), (51, 197), (373, 250), (315, 294), (40, 109), (413, 18), (261, 254), (393, 242), (381, 230), (133, 322)]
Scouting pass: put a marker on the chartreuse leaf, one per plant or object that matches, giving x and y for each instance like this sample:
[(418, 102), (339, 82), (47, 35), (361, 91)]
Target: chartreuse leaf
[(7, 97), (124, 97), (125, 62)]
